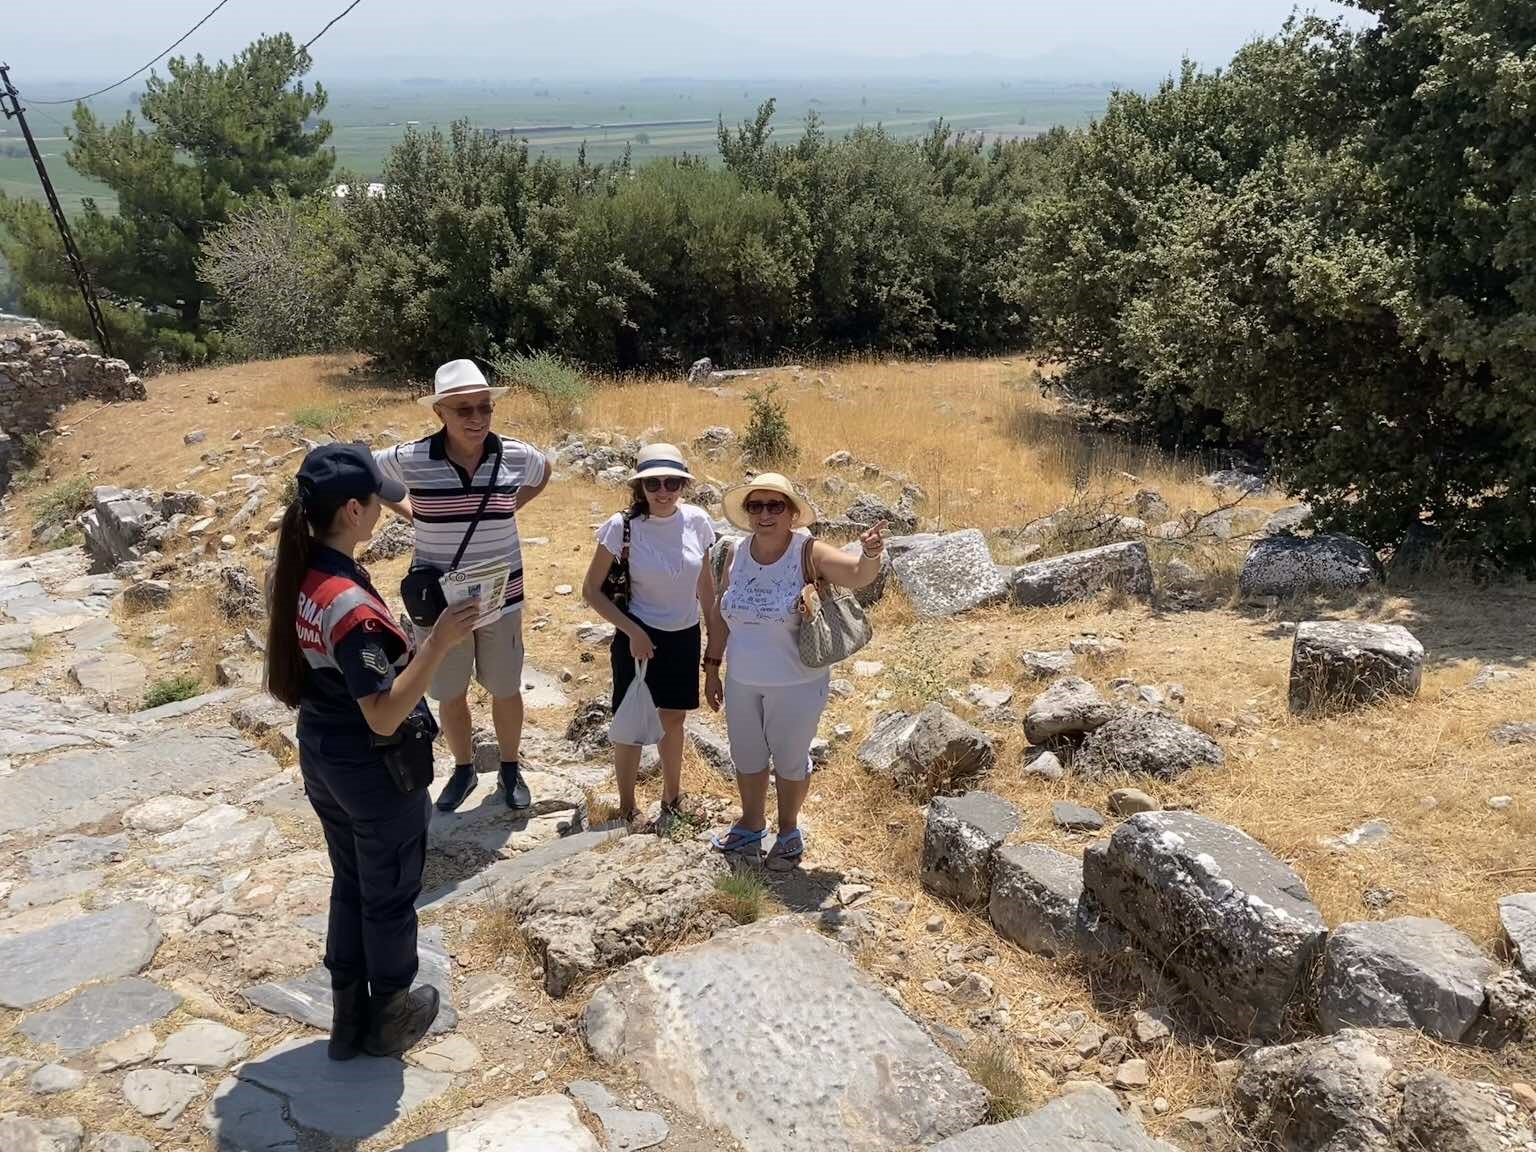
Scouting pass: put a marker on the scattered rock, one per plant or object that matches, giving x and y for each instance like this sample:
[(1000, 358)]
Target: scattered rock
[(1150, 1026), (1410, 972), (532, 1124), (1075, 817), (1046, 665), (931, 752), (1085, 1120), (1129, 801), (1083, 575), (1517, 917), (1453, 1116), (1235, 480), (156, 1092), (626, 1129), (134, 1048), (1201, 1129), (662, 1018), (1292, 566), (1325, 1095), (162, 814), (1371, 832), (959, 839), (593, 912), (1339, 664), (1038, 903), (52, 1079), (1523, 732), (25, 1135), (1045, 765), (118, 1142), (451, 1054), (204, 1044), (955, 573), (394, 538), (1069, 708), (1133, 1074), (1215, 908), (1146, 744)]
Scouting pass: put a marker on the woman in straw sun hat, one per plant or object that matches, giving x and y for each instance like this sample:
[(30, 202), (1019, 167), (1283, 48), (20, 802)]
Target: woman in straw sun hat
[(773, 702), (670, 586)]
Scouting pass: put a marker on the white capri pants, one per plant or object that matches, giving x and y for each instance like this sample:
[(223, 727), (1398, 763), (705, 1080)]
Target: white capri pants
[(776, 724)]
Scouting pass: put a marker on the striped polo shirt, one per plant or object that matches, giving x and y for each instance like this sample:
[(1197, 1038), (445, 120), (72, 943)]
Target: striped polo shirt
[(444, 500)]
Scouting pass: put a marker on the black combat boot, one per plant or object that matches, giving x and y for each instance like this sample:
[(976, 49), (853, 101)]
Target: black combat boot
[(349, 1020), (399, 1020)]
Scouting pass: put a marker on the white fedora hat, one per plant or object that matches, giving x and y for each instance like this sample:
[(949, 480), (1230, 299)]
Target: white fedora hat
[(660, 460), (736, 497), (458, 378)]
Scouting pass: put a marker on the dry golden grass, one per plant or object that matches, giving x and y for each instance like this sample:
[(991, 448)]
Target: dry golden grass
[(990, 453)]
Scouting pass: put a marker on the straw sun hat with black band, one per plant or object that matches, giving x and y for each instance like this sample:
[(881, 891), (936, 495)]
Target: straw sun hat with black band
[(736, 497)]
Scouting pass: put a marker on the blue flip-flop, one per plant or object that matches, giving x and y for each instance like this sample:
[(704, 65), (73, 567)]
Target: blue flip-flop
[(738, 838), (787, 851)]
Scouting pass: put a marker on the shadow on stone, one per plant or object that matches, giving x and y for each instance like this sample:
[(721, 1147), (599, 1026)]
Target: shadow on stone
[(270, 1102)]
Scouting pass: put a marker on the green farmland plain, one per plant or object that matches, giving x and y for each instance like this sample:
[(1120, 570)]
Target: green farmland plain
[(662, 117)]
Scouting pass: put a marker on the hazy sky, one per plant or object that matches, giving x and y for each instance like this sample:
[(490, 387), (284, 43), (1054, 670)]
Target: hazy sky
[(89, 39)]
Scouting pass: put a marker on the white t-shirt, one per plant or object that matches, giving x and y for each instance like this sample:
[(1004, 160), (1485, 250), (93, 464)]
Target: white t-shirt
[(762, 606), (665, 559)]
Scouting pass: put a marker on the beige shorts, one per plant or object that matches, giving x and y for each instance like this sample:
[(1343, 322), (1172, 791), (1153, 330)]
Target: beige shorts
[(494, 653)]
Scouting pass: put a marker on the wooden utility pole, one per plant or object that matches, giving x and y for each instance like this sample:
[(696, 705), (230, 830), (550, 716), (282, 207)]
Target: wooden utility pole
[(10, 104)]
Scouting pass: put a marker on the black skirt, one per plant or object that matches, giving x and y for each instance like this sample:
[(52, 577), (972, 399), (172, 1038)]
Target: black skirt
[(673, 673)]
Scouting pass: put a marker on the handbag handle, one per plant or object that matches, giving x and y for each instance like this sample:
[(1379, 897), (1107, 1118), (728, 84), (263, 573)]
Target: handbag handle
[(808, 564), (490, 484)]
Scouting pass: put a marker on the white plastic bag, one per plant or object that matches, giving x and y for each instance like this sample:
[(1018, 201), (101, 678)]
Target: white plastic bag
[(635, 723)]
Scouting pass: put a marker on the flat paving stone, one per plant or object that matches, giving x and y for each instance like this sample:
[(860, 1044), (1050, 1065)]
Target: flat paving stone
[(204, 1044), (38, 966), (495, 881), (295, 1085), (534, 1124), (210, 842), (798, 1074), (308, 1000), (83, 787), (31, 724), (156, 1092), (38, 893), (110, 674), (72, 852), (1087, 1120), (100, 1014)]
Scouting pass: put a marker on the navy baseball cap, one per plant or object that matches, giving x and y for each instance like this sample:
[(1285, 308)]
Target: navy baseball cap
[(335, 473)]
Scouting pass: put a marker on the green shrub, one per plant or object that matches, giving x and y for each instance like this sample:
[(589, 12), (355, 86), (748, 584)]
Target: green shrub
[(320, 417), (561, 386), (741, 896), (171, 689), (767, 439), (62, 502)]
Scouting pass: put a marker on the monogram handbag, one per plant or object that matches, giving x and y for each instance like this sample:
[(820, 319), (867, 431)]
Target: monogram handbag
[(616, 583), (832, 623), (422, 587)]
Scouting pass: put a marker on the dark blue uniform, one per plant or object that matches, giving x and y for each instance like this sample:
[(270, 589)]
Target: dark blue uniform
[(376, 835)]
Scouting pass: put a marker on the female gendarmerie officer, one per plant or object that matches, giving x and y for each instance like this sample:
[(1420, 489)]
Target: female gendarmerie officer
[(335, 652)]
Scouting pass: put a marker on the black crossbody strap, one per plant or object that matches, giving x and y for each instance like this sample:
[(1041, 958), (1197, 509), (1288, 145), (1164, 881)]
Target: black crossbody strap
[(484, 500), (624, 548)]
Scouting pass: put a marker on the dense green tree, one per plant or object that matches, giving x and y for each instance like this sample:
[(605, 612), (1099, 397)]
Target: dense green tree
[(212, 136)]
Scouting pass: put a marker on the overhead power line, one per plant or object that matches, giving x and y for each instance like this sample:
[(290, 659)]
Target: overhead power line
[(146, 68), (139, 72)]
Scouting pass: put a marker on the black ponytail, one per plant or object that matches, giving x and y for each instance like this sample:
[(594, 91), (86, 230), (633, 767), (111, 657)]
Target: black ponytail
[(285, 661)]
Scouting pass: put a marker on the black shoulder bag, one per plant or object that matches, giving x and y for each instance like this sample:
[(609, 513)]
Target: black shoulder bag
[(616, 583), (422, 588)]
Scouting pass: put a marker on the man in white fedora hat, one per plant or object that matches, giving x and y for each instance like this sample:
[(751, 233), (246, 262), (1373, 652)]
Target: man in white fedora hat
[(449, 477)]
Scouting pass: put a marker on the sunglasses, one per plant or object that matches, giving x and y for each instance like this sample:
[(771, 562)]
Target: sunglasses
[(670, 483), (465, 411), (765, 507)]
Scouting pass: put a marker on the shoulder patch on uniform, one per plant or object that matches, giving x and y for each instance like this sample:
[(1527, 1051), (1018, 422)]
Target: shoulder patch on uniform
[(374, 660)]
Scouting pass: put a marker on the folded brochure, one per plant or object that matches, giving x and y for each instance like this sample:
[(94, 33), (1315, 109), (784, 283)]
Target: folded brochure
[(486, 582)]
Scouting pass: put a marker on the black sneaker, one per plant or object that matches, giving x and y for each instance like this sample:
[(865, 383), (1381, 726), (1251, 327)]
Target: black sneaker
[(458, 788), (517, 794)]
